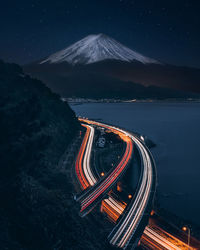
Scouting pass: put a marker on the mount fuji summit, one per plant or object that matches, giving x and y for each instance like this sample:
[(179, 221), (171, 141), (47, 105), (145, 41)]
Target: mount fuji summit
[(95, 48), (98, 66)]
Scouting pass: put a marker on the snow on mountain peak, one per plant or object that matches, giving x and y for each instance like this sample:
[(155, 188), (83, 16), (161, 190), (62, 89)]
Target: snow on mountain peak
[(94, 48)]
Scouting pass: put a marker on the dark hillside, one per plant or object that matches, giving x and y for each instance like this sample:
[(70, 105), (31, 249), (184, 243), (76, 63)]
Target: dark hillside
[(37, 209)]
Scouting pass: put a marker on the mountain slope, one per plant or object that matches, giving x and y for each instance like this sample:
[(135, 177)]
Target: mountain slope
[(94, 48), (37, 207), (103, 56)]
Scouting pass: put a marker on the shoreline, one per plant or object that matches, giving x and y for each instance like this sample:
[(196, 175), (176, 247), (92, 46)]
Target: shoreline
[(79, 101)]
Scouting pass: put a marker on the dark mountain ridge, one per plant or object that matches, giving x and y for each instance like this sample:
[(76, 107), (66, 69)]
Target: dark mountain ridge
[(37, 208), (105, 79), (106, 58), (160, 75)]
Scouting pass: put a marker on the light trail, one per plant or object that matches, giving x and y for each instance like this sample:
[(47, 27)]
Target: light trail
[(164, 243), (129, 223), (90, 178), (122, 234), (111, 178), (113, 208), (86, 161), (124, 231), (115, 205), (151, 237), (103, 186), (170, 240), (112, 214), (82, 165)]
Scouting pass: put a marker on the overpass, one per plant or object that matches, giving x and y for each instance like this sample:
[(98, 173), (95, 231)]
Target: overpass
[(137, 212), (134, 217), (91, 196)]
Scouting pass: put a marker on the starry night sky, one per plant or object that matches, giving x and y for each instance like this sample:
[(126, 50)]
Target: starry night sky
[(165, 30)]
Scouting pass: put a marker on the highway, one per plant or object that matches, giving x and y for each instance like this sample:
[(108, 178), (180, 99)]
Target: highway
[(113, 208), (86, 161), (156, 237), (123, 232), (82, 165), (153, 236), (102, 187), (125, 229)]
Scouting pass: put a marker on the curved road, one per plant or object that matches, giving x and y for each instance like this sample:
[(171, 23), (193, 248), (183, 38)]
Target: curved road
[(122, 234), (82, 165), (124, 230), (154, 239), (102, 187)]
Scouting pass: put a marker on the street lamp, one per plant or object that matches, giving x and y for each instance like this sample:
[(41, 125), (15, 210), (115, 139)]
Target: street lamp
[(129, 196), (185, 229)]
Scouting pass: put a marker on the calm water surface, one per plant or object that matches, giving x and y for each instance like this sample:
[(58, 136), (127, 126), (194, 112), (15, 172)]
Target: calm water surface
[(174, 127)]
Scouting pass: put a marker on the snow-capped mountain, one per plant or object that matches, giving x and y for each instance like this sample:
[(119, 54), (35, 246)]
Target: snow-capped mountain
[(83, 66), (95, 48)]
